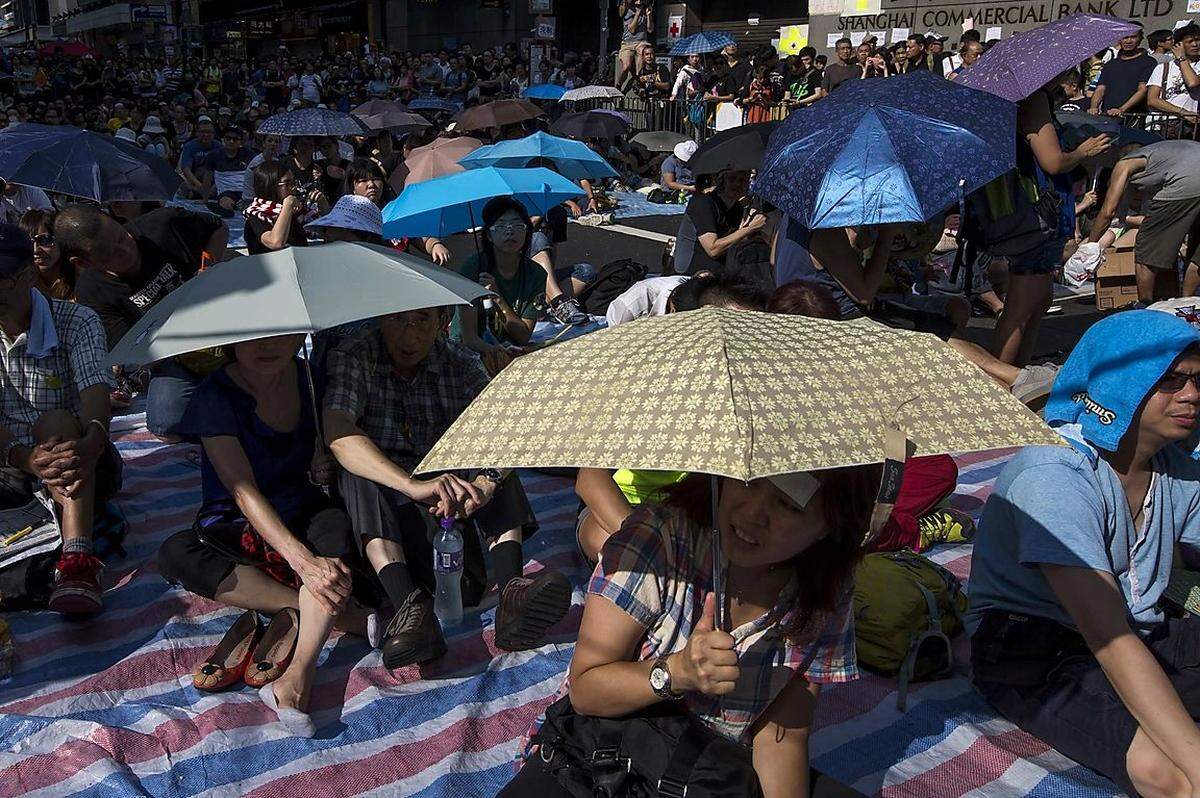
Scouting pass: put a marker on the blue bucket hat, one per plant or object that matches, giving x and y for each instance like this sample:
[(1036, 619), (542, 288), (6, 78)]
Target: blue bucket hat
[(1116, 363)]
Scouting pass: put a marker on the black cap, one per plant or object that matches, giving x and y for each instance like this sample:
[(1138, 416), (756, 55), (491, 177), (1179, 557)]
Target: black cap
[(16, 250)]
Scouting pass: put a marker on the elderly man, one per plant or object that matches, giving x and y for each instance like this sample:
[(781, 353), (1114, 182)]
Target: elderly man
[(393, 391), (54, 415)]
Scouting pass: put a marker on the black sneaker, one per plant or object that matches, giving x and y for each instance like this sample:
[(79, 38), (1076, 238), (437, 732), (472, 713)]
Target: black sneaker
[(565, 310), (414, 635), (528, 607)]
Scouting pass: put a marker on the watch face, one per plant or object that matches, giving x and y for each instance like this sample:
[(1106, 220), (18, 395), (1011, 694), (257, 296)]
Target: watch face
[(659, 678)]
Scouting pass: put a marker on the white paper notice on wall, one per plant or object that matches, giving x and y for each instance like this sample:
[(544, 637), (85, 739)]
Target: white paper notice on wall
[(880, 37), (899, 34), (993, 33), (856, 37), (831, 40), (968, 24)]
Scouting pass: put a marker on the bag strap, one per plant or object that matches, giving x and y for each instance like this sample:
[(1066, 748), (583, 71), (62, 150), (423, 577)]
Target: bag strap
[(909, 667), (678, 774)]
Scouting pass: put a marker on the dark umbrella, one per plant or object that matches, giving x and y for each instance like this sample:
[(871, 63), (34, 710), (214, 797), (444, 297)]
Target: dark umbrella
[(497, 114), (376, 107), (1016, 67), (659, 140), (395, 121), (1078, 127), (737, 148), (433, 104), (590, 125), (80, 163), (313, 122), (880, 151)]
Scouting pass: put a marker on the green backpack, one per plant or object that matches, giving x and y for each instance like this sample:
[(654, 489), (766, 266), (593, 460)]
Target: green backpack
[(906, 609)]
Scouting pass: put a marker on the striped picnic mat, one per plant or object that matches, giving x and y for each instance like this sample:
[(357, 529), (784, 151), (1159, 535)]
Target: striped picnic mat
[(106, 708)]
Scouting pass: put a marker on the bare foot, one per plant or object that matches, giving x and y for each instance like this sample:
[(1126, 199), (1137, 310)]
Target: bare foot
[(289, 696)]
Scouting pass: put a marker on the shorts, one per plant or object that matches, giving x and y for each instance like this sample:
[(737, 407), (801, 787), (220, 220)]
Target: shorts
[(1042, 259), (1060, 694), (1163, 231), (631, 47)]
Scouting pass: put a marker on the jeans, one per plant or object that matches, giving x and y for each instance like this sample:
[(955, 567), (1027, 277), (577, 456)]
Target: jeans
[(171, 388)]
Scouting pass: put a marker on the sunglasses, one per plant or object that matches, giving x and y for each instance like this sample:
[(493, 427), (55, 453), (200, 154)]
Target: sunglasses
[(1173, 381), (43, 240)]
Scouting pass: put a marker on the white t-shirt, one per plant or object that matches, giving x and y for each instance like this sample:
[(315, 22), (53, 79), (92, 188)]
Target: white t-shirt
[(310, 88), (1176, 91), (25, 199), (643, 299)]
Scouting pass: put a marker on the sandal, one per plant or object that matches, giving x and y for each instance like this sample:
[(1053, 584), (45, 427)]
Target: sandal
[(274, 651), (228, 661)]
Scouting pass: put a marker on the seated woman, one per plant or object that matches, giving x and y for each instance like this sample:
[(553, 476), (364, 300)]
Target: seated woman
[(274, 218), (365, 178), (1075, 550), (649, 633), (267, 538), (562, 284), (55, 275), (503, 266)]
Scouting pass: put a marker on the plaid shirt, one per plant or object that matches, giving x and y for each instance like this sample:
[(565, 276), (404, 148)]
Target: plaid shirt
[(63, 352), (658, 568), (404, 418)]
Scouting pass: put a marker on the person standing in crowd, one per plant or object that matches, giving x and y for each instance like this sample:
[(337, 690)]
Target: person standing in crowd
[(1174, 87), (844, 69), (637, 25), (740, 70), (54, 417), (122, 271), (803, 79), (1122, 86), (918, 58), (1074, 99), (649, 80), (969, 51), (1068, 639), (1160, 43), (1168, 172), (938, 58)]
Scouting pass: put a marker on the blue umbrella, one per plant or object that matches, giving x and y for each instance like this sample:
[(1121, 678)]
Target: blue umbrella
[(572, 159), (313, 122), (433, 104), (454, 203), (544, 91), (80, 163), (882, 151), (707, 42)]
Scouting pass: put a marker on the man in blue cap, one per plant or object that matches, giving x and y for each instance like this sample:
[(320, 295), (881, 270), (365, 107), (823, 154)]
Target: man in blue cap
[(1074, 553), (54, 416)]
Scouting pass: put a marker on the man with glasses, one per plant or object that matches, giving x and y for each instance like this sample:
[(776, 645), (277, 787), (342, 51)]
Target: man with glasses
[(392, 392), (54, 416), (1073, 557)]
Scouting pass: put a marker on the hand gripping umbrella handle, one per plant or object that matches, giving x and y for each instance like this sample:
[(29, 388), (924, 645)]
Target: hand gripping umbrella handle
[(718, 562)]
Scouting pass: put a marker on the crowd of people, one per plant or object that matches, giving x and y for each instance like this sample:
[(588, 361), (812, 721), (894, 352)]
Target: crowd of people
[(311, 514)]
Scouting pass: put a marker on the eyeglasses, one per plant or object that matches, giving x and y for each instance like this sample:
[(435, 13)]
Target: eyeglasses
[(509, 227), (1173, 381), (43, 240)]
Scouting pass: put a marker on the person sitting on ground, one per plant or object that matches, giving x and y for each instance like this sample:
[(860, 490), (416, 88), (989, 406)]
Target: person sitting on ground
[(364, 178), (1169, 173), (1074, 552), (224, 173), (675, 175), (274, 218), (565, 283), (55, 277), (123, 271), (649, 633), (54, 416), (260, 469), (504, 267), (609, 497), (644, 299), (716, 221), (393, 391)]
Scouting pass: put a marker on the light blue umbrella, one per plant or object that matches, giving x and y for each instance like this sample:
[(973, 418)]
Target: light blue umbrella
[(544, 91), (572, 159), (707, 42), (454, 203)]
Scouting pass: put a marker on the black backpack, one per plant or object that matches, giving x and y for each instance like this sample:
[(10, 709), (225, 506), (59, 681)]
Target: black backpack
[(611, 281)]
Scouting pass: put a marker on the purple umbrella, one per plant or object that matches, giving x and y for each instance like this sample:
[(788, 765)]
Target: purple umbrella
[(1016, 67)]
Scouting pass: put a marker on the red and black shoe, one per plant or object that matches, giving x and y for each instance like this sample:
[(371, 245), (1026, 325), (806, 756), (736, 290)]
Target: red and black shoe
[(528, 607), (77, 585)]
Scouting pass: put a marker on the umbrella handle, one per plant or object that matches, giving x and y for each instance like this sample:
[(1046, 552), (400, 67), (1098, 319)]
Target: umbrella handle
[(718, 562)]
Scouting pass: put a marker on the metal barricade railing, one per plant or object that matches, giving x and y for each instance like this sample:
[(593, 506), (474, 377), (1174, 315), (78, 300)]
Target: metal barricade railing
[(1169, 126)]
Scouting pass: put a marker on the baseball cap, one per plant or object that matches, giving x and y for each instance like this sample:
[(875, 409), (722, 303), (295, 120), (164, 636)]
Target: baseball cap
[(352, 212), (16, 250), (203, 118), (684, 150)]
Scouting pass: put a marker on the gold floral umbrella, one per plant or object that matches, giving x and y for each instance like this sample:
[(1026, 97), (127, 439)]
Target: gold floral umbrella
[(733, 393)]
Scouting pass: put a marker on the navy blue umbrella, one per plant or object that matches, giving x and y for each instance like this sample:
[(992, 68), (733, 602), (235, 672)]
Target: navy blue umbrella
[(879, 151), (313, 122), (433, 104), (80, 163)]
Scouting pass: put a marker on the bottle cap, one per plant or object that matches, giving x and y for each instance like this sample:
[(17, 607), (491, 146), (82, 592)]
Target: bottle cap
[(447, 523)]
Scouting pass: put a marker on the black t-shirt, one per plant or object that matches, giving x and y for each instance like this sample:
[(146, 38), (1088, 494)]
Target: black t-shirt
[(804, 84), (709, 215), (171, 242), (256, 228), (742, 73), (1120, 78), (837, 74), (487, 73)]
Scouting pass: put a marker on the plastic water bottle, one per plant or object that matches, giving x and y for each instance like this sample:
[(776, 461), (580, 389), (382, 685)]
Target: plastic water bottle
[(448, 571)]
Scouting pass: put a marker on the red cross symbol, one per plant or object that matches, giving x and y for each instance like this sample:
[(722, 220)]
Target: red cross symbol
[(674, 31)]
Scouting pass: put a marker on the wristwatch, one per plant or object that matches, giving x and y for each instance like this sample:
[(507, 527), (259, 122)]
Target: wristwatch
[(660, 681), (491, 475)]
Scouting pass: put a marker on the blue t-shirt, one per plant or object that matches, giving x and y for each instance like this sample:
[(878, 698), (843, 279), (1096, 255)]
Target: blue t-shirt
[(683, 175), (194, 153), (1065, 506), (280, 460)]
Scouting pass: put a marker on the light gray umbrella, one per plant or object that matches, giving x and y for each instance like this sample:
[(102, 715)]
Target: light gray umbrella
[(293, 290)]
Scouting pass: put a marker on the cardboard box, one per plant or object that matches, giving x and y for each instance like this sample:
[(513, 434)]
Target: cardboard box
[(1116, 283)]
